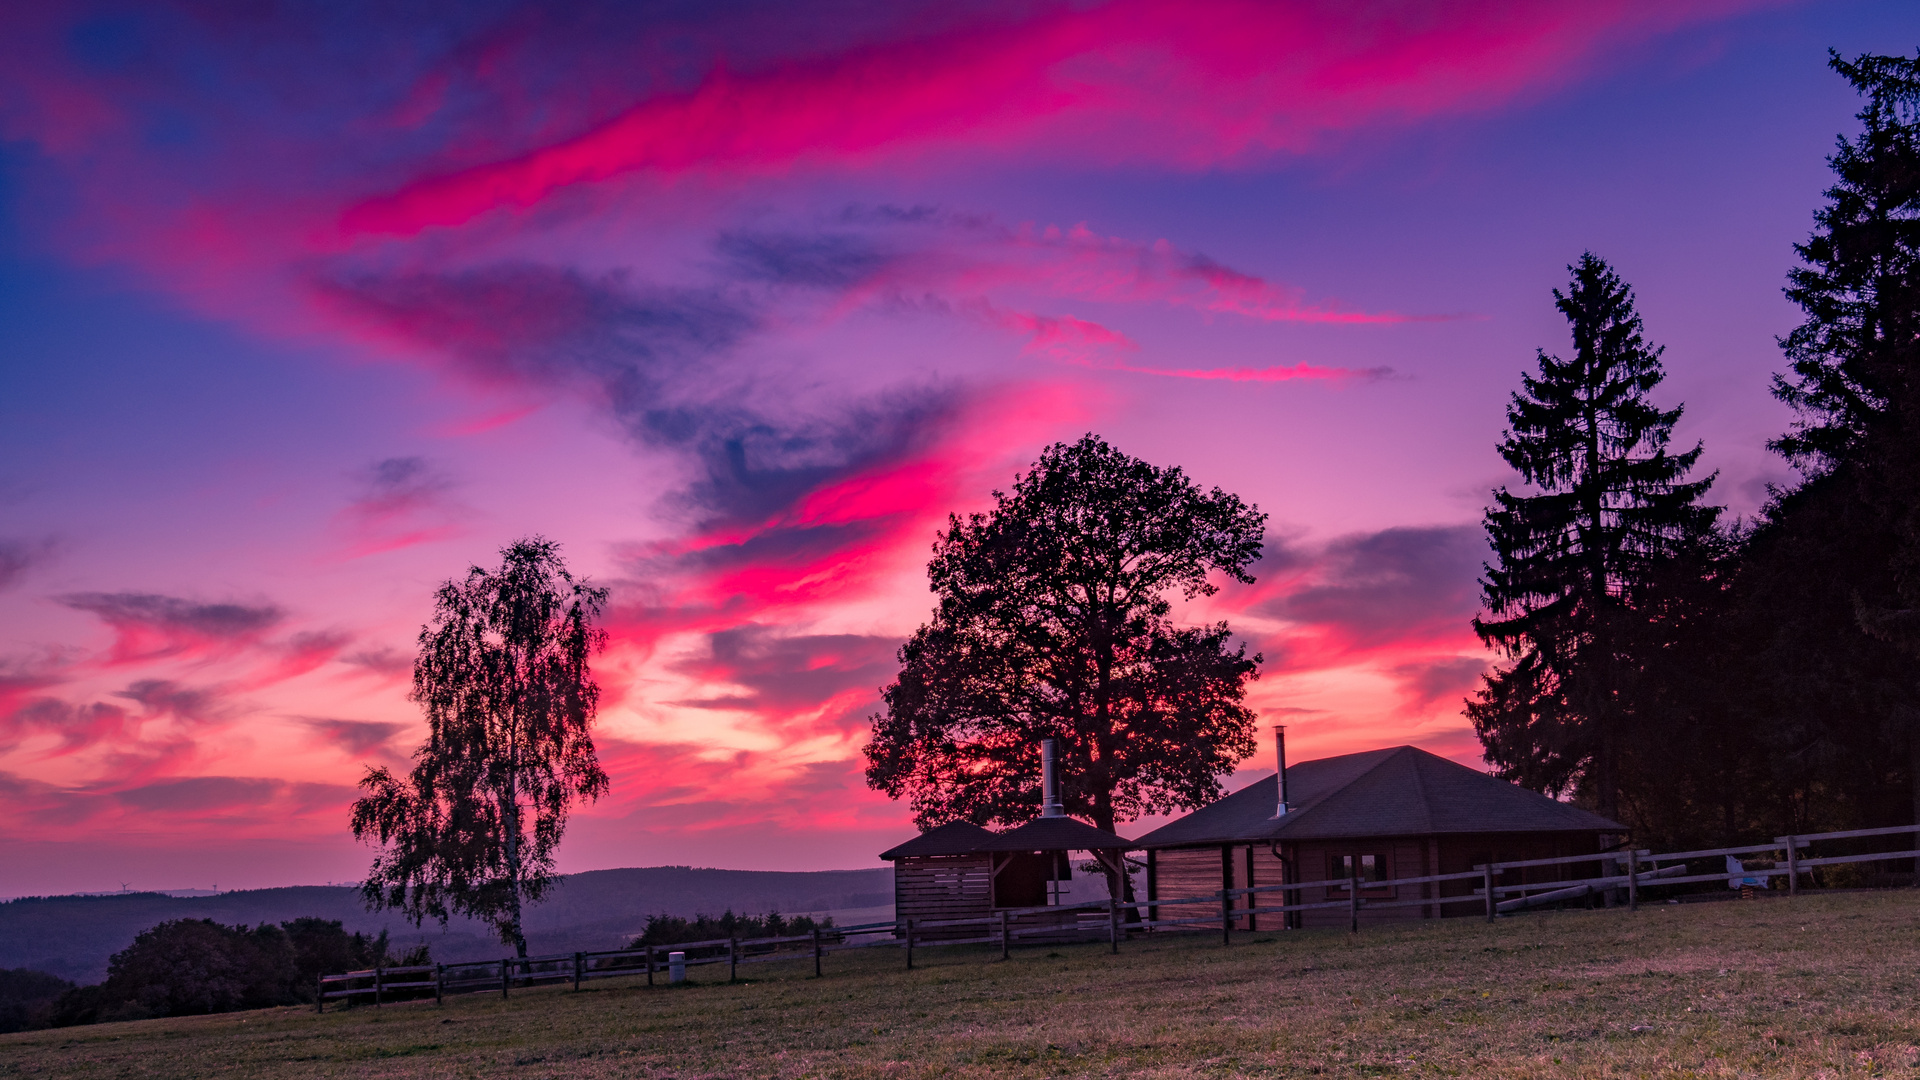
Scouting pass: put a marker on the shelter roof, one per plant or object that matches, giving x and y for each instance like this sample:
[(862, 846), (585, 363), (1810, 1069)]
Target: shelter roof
[(1056, 834), (1040, 834), (1397, 791), (953, 838)]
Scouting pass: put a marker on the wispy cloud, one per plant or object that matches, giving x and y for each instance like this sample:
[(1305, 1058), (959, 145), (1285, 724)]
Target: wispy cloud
[(402, 501), (149, 626)]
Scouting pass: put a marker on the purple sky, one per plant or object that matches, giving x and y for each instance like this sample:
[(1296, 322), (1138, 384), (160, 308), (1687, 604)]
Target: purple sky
[(302, 313)]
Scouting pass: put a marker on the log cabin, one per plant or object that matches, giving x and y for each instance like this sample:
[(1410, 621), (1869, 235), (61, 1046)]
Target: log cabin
[(1398, 812), (962, 871)]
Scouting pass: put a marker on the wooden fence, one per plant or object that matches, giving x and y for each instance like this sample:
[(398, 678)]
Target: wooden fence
[(1617, 871)]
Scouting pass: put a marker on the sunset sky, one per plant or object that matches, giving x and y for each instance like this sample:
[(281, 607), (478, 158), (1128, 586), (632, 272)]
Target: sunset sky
[(305, 308)]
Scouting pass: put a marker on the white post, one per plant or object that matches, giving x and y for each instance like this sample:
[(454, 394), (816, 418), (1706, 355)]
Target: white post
[(676, 967)]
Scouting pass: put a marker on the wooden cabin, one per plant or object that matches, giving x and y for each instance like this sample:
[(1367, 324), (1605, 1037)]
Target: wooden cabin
[(962, 871), (1398, 812)]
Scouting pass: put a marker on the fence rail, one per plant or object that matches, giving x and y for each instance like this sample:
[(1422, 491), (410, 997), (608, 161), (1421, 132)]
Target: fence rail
[(1097, 919)]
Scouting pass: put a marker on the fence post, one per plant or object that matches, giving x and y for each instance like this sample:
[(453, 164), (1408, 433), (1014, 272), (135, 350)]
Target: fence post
[(733, 959), (1793, 867), (816, 952), (1226, 918), (1489, 870), (649, 965), (1633, 879), (909, 944), (579, 965), (439, 984), (503, 978), (1113, 924), (1353, 897), (378, 982), (319, 993), (1005, 940)]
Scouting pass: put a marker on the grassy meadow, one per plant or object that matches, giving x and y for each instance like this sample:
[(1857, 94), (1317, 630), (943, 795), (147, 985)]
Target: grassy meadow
[(1825, 986)]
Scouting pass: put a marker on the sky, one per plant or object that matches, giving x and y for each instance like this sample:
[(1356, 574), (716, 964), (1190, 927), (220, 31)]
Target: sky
[(305, 308)]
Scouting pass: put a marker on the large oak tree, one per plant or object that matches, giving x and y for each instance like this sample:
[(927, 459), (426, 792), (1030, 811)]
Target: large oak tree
[(1053, 622)]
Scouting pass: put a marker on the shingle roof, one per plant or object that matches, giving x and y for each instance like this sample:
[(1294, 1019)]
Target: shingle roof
[(1056, 834), (1040, 834), (1398, 791), (953, 838)]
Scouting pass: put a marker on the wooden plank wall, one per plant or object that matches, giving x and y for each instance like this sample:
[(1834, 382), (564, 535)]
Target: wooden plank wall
[(939, 887), (1405, 856)]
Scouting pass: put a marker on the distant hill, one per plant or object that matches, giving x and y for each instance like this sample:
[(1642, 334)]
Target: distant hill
[(72, 936)]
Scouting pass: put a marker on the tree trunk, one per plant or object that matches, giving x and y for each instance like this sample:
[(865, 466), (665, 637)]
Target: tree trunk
[(510, 820)]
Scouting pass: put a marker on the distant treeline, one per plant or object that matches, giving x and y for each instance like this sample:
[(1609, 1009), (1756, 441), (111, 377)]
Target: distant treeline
[(673, 930), (192, 966)]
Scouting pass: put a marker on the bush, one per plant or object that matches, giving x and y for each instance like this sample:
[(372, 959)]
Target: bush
[(190, 966), (673, 930), (27, 998)]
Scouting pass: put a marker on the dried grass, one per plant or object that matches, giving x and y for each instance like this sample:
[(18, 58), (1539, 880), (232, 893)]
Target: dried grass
[(1814, 987)]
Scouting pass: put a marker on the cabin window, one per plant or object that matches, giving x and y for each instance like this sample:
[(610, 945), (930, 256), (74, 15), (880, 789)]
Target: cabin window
[(1371, 867)]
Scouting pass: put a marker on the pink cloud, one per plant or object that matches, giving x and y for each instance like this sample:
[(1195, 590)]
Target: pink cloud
[(1181, 84)]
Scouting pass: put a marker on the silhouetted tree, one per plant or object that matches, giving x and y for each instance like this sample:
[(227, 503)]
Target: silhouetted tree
[(1565, 599), (185, 967), (503, 677), (1053, 622), (1852, 531)]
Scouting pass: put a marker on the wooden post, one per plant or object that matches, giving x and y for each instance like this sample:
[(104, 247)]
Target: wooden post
[(1113, 924), (1633, 879), (503, 978), (1006, 939), (319, 993), (1353, 895), (733, 959), (1489, 870), (579, 966), (1153, 886), (816, 952), (649, 965), (909, 944), (1793, 868), (1253, 899), (1226, 918), (378, 982), (439, 984)]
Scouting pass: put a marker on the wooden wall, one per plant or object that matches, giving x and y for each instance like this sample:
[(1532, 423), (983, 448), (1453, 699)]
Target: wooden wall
[(936, 887), (1188, 872)]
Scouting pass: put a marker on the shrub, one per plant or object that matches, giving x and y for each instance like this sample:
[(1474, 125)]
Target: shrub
[(190, 966), (27, 998), (673, 929)]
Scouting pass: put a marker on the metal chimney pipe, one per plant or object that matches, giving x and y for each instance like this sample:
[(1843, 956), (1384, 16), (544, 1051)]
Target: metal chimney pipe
[(1049, 782), (1280, 749)]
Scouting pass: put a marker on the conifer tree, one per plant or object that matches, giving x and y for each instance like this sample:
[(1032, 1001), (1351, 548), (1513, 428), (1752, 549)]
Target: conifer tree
[(1566, 601), (1855, 385)]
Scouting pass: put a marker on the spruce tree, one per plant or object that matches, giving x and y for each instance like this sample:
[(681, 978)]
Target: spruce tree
[(1567, 601)]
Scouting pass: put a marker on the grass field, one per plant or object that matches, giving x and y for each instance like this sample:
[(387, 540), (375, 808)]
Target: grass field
[(1815, 987)]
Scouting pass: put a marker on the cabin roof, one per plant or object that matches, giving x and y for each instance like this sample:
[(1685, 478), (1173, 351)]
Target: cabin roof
[(953, 838), (1397, 791)]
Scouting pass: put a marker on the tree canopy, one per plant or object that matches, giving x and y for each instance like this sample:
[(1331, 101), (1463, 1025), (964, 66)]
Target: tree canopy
[(503, 677), (1053, 622)]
